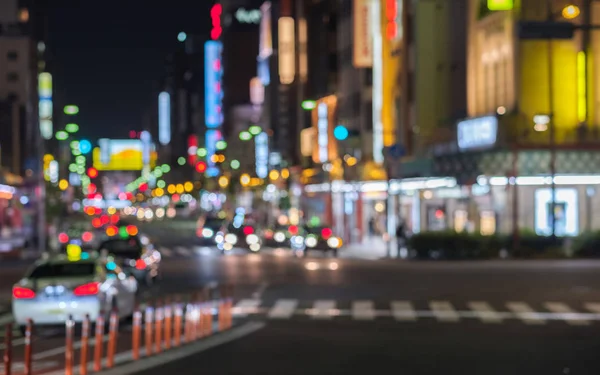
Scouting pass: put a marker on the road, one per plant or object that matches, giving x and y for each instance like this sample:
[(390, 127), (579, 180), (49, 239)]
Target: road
[(346, 316)]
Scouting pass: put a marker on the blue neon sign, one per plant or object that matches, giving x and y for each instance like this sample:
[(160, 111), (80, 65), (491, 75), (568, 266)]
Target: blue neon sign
[(212, 137), (213, 93)]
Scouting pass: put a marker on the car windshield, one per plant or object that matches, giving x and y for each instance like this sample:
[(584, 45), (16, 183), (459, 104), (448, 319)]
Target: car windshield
[(213, 223), (130, 247), (62, 270)]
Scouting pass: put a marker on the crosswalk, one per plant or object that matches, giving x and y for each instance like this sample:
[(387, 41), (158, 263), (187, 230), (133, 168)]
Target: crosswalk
[(409, 311), (206, 251)]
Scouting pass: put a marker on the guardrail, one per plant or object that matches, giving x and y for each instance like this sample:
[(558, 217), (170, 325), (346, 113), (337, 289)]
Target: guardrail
[(167, 324)]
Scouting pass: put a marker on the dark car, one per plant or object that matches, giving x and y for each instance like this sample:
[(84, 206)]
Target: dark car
[(141, 261), (291, 236), (321, 238), (208, 228), (246, 236)]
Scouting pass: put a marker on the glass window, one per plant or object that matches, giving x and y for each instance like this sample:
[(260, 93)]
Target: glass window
[(12, 77), (12, 55), (63, 270)]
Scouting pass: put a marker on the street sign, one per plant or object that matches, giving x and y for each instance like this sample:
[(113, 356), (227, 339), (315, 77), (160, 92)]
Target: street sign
[(545, 30)]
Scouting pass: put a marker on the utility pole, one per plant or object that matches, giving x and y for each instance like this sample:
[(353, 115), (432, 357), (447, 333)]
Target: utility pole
[(552, 127)]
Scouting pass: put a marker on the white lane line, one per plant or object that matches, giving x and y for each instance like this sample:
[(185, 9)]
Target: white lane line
[(155, 361), (165, 252), (403, 311), (485, 312), (260, 290), (245, 307), (182, 251), (444, 312), (524, 312), (562, 308), (363, 310), (324, 309), (283, 309)]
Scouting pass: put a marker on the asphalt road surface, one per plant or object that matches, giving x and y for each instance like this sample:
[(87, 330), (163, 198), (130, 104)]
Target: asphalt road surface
[(345, 316)]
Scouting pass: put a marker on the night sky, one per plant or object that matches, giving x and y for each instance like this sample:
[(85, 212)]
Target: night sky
[(108, 56)]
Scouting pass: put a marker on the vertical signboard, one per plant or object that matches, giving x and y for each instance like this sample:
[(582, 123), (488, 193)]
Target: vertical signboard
[(287, 50), (323, 132), (212, 137), (164, 118), (261, 142), (265, 48), (213, 95), (257, 91), (363, 40), (45, 105), (391, 44), (377, 82)]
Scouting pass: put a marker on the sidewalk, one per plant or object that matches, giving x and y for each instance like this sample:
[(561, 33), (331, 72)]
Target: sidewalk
[(371, 249)]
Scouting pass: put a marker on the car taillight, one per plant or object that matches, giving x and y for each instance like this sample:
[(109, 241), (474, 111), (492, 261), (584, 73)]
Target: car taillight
[(326, 233), (87, 236), (269, 234), (248, 231), (140, 264), (293, 230), (88, 289), (63, 238), (23, 293)]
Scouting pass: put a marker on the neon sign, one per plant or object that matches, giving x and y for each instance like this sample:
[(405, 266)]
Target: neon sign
[(261, 142), (45, 105), (215, 15), (213, 95), (164, 118)]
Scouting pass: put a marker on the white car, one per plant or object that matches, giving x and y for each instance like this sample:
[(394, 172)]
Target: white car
[(56, 287)]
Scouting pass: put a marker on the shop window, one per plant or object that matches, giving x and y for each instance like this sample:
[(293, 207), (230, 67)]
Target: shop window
[(460, 220), (12, 77), (487, 223), (566, 212), (12, 55), (436, 218)]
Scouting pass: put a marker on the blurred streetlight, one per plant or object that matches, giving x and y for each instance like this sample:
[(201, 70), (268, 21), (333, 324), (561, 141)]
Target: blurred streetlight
[(570, 12), (223, 181), (245, 179), (71, 109)]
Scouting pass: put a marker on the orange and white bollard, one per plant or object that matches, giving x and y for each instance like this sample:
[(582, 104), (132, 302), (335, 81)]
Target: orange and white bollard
[(28, 369), (69, 324), (85, 343), (8, 350), (207, 307), (149, 322), (168, 324), (222, 309), (158, 320), (188, 322), (136, 334), (99, 342), (178, 317), (229, 306), (112, 339)]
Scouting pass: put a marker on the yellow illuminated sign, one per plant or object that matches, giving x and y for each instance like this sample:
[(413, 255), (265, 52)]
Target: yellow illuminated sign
[(500, 4), (124, 160), (391, 64), (73, 252)]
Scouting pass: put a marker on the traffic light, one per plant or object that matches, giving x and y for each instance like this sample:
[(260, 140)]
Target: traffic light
[(201, 167)]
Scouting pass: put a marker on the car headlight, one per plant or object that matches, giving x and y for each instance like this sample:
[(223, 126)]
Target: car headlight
[(231, 238), (219, 238), (298, 240), (279, 237), (255, 247), (334, 242), (251, 239), (311, 241), (207, 232)]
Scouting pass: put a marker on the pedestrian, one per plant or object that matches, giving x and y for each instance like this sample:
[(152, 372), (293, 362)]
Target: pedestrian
[(401, 236), (372, 226)]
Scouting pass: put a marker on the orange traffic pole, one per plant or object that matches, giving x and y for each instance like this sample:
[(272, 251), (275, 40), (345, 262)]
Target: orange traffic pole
[(229, 306), (148, 328), (196, 317), (178, 317), (8, 350), (69, 346), (168, 324), (28, 349), (208, 307), (222, 307), (99, 342), (200, 316), (135, 340), (158, 320), (85, 339), (112, 339)]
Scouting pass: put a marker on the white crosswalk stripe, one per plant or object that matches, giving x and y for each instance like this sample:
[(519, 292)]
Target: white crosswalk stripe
[(183, 251), (324, 309), (593, 307), (363, 310), (561, 308), (403, 311), (165, 252), (283, 309), (246, 306), (444, 312), (527, 314), (485, 312)]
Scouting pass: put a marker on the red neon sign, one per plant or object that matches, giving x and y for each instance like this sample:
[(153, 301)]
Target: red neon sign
[(215, 15), (391, 13)]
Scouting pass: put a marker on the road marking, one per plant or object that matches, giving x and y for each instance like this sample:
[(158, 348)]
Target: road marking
[(324, 309), (182, 251), (524, 312), (246, 306), (363, 310), (485, 312), (593, 307), (260, 290), (172, 355), (39, 365), (444, 312), (570, 314), (165, 252), (283, 309), (403, 311)]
